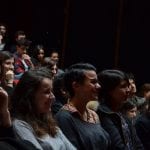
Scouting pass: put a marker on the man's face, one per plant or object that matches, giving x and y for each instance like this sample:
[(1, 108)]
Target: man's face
[(22, 50)]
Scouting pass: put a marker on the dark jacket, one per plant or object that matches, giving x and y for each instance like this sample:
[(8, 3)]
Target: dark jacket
[(112, 123), (8, 140), (143, 129), (14, 144)]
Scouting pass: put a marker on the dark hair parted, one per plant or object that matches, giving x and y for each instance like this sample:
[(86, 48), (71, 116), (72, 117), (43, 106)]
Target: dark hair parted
[(23, 102), (110, 79), (76, 73), (37, 49)]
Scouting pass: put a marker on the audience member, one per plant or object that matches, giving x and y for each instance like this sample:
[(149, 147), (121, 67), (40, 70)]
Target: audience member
[(79, 124), (143, 128), (19, 35), (61, 96), (31, 109), (140, 101), (144, 91), (114, 91), (55, 56), (129, 110), (38, 55), (3, 36), (22, 60), (7, 71), (52, 65), (7, 136)]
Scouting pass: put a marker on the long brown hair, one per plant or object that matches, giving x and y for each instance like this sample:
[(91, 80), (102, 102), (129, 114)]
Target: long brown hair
[(22, 102)]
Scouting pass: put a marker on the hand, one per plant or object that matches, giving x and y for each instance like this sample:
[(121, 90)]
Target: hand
[(9, 76), (25, 56)]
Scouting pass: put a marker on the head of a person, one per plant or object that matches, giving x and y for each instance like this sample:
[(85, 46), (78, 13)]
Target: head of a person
[(54, 55), (22, 46), (33, 95), (59, 88), (3, 29), (32, 99), (6, 62), (114, 86), (50, 64), (144, 91), (39, 52), (132, 84), (129, 109), (80, 80), (20, 35)]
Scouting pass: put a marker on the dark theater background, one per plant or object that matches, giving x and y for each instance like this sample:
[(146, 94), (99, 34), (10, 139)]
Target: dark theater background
[(108, 33)]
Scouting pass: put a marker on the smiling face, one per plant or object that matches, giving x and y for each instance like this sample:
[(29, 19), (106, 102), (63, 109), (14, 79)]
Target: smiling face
[(44, 97), (88, 90), (132, 113), (132, 87), (7, 65), (120, 93), (55, 56)]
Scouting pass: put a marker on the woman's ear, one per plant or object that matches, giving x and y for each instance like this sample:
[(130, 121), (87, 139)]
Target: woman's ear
[(75, 85)]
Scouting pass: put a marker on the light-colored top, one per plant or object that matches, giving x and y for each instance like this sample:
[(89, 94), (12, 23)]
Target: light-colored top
[(24, 131)]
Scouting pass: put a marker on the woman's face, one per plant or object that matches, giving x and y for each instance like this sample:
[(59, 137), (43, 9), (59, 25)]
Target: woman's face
[(41, 54), (89, 89), (54, 69), (44, 97), (132, 86), (7, 65), (120, 93)]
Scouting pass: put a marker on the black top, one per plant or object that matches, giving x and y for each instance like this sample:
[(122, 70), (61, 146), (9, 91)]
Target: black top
[(14, 144), (143, 129), (8, 140), (83, 135), (122, 132)]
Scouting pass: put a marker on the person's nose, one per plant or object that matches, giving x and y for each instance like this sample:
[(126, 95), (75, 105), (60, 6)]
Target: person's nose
[(98, 86), (11, 67), (134, 114), (52, 96)]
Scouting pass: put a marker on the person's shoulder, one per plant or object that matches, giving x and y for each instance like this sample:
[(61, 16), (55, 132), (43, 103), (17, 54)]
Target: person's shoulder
[(15, 144), (20, 124), (63, 113)]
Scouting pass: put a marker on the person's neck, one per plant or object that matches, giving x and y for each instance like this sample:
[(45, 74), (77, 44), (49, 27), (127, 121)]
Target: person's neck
[(79, 105)]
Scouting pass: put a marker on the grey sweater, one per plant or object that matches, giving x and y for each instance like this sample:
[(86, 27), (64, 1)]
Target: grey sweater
[(24, 131)]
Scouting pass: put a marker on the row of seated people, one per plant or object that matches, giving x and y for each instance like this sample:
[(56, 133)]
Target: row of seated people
[(38, 116), (14, 65)]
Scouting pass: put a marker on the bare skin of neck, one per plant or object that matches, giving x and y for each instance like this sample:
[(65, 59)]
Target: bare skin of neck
[(80, 105)]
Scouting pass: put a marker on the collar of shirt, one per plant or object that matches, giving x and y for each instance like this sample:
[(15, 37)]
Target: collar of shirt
[(90, 115)]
